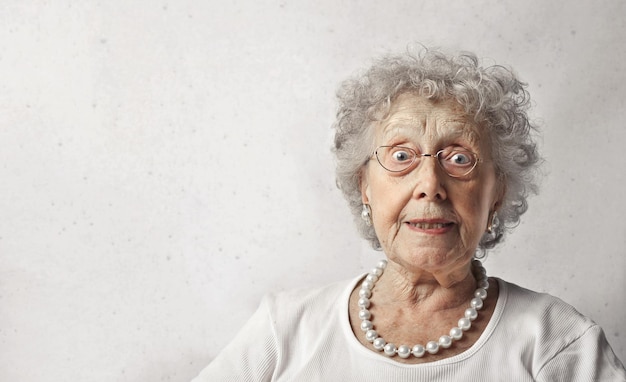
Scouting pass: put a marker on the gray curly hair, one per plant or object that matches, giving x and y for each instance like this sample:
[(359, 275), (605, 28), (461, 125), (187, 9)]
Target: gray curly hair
[(493, 95)]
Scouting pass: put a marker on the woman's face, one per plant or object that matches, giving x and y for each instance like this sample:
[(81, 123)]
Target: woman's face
[(425, 219)]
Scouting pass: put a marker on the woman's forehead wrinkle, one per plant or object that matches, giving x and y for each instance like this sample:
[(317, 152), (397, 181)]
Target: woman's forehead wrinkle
[(398, 125), (412, 128), (463, 129)]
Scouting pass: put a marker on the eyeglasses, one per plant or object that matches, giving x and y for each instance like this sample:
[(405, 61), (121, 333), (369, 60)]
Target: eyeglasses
[(456, 161)]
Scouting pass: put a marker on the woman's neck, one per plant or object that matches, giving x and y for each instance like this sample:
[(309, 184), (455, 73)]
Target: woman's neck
[(431, 292)]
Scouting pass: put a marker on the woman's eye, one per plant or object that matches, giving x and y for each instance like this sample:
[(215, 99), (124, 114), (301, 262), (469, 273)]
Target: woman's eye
[(401, 156), (460, 158)]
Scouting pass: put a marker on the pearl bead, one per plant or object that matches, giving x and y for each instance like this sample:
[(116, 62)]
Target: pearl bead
[(371, 277), (445, 341), (480, 293), (456, 333), (404, 351), (471, 313), (365, 293), (364, 314), (382, 264), (366, 325), (465, 323), (432, 347), (390, 349), (418, 351), (475, 303), (377, 272), (364, 302), (484, 284), (379, 343), (367, 285), (371, 335)]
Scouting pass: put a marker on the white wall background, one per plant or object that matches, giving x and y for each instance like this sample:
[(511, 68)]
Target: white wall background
[(163, 164)]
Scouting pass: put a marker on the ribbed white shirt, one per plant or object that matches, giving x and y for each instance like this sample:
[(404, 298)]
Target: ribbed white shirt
[(305, 335)]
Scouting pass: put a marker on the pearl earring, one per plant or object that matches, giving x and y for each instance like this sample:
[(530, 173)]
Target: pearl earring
[(366, 214), (493, 222)]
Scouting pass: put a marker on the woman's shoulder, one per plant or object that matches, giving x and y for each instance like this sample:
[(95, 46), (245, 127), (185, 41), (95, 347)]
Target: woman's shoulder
[(541, 316), (310, 300), (544, 305), (554, 338)]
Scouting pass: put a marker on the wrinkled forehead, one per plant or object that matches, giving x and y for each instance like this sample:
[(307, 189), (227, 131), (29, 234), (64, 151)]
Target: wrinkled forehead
[(416, 117), (418, 129)]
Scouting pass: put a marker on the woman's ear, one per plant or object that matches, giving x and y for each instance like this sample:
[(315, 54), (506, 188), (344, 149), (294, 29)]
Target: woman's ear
[(365, 187), (500, 194)]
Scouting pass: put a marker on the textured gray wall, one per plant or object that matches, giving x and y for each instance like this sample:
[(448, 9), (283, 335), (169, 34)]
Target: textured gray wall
[(165, 164)]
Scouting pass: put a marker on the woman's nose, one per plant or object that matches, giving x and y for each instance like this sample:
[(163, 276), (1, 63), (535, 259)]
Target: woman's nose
[(428, 177)]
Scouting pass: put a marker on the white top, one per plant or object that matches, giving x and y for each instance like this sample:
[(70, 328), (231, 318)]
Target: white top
[(305, 335)]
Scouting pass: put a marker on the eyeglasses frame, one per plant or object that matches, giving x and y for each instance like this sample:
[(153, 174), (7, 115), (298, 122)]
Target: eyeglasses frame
[(420, 155)]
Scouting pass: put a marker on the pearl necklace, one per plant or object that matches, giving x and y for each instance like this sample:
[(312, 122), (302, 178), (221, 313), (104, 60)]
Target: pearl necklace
[(432, 347)]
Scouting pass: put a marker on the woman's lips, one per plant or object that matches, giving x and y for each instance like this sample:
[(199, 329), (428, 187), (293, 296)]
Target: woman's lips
[(430, 226)]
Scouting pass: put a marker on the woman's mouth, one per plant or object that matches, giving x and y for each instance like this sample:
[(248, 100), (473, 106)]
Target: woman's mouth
[(422, 225), (431, 226)]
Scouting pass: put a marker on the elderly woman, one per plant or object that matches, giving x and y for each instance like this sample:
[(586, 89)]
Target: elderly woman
[(436, 158)]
